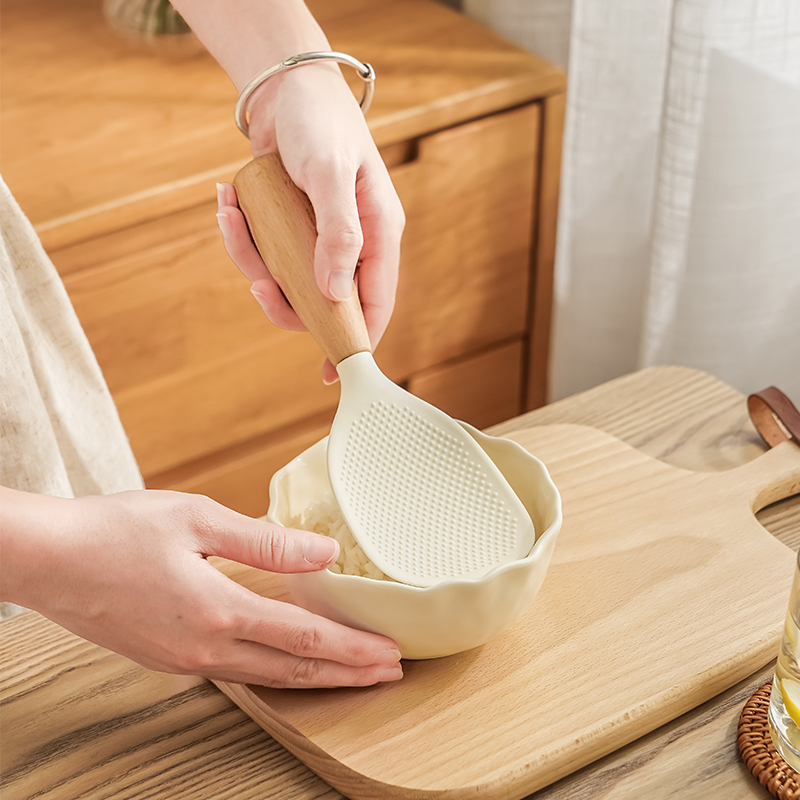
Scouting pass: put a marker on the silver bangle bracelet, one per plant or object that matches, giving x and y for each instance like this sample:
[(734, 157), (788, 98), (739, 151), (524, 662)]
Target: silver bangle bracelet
[(365, 72)]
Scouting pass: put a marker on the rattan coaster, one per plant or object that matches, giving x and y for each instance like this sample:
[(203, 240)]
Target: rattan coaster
[(758, 751)]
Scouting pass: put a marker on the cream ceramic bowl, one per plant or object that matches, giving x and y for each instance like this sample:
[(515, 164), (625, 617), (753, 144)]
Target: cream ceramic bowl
[(452, 616)]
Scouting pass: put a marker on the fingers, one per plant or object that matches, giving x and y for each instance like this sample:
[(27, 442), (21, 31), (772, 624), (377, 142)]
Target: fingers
[(275, 305), (382, 221), (289, 628), (131, 577), (279, 644), (234, 634), (332, 191), (329, 373), (160, 601), (236, 235), (260, 544), (259, 664), (300, 633), (360, 223), (243, 252)]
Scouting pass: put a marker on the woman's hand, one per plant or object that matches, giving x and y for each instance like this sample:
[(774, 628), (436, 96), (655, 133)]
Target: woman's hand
[(310, 116), (130, 572)]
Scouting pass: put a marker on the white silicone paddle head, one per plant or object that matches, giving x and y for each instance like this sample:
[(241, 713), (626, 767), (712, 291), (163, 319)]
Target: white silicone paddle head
[(421, 497)]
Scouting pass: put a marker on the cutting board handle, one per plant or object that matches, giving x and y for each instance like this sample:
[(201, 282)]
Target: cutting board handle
[(772, 476), (284, 229)]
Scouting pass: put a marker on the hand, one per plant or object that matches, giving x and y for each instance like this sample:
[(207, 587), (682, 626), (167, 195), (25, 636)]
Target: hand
[(130, 572), (310, 116)]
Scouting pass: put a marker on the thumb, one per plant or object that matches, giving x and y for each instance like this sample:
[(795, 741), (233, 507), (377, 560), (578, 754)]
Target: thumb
[(340, 238), (271, 547), (289, 550)]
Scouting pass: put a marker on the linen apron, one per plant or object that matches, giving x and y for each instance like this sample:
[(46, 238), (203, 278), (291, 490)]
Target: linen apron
[(60, 433)]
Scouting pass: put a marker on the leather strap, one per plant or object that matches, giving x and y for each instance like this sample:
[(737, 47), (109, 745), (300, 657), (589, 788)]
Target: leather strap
[(769, 407)]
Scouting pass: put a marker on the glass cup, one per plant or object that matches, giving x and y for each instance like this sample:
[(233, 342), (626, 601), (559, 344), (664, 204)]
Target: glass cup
[(784, 703)]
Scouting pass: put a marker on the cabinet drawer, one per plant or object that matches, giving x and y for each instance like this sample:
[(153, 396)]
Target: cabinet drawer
[(469, 202), (196, 368), (192, 362), (483, 389), (239, 478)]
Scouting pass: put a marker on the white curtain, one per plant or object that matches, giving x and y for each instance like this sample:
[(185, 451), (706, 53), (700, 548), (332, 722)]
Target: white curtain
[(679, 222)]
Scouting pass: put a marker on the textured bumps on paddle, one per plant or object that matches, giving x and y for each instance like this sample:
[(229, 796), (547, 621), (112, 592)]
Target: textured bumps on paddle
[(430, 507)]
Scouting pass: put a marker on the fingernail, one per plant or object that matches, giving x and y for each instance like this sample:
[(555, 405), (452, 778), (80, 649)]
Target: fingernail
[(224, 224), (329, 381), (219, 195), (340, 284), (258, 295), (388, 657), (319, 550), (393, 674)]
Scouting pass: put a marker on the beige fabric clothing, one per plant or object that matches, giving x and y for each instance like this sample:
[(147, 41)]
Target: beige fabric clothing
[(60, 433)]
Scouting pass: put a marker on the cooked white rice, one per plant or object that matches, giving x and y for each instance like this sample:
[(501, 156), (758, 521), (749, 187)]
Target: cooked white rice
[(324, 517)]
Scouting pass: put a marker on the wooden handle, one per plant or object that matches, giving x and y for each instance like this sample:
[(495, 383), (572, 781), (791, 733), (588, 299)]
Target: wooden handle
[(768, 478), (284, 229)]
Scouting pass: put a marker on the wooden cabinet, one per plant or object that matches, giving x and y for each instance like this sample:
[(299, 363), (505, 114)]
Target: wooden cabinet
[(113, 154)]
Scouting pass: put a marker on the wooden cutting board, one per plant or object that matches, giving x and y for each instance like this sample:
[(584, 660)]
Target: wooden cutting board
[(663, 591)]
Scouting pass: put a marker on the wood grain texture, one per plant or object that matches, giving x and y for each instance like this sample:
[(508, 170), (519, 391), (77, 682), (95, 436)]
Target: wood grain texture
[(81, 722), (652, 560), (239, 476), (283, 225), (544, 252), (64, 71), (480, 389), (424, 53), (695, 755), (143, 735), (464, 270), (80, 106)]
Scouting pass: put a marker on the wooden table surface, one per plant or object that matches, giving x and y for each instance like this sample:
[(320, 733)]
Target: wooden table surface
[(77, 721)]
